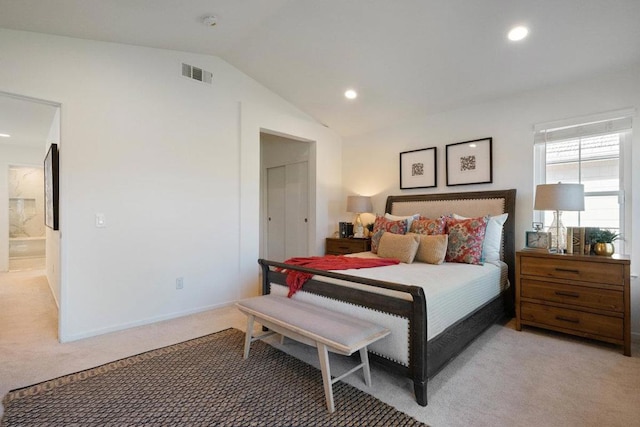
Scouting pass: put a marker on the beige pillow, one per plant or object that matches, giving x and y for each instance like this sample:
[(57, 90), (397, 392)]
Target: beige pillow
[(432, 249), (402, 247)]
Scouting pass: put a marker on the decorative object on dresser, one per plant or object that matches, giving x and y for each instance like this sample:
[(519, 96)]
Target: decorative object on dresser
[(559, 197), (419, 168), (470, 162), (539, 240), (602, 241), (346, 246), (582, 295), (358, 205)]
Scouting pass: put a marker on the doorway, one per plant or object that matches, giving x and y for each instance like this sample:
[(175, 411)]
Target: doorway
[(27, 127), (28, 249), (27, 236), (285, 197)]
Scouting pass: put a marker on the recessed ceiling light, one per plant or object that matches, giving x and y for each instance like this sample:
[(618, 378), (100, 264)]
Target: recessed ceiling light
[(5, 135), (351, 94), (518, 33)]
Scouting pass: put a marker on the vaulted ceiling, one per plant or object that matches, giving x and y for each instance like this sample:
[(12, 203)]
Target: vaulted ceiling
[(404, 57)]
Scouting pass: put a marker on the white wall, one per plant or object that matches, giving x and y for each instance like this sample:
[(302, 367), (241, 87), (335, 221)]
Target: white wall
[(327, 170), (371, 161), (167, 160)]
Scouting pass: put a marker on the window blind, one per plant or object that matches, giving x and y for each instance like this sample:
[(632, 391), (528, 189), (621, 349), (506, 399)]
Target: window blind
[(543, 133)]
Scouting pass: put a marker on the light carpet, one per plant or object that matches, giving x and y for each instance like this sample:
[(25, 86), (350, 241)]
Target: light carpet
[(505, 378)]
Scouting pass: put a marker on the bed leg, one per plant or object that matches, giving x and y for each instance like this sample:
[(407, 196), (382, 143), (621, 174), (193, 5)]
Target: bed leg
[(420, 390)]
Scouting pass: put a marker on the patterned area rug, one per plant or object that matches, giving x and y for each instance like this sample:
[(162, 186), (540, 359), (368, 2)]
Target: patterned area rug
[(204, 381)]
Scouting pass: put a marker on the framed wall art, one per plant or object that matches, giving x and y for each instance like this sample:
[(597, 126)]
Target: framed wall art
[(469, 162), (418, 168), (51, 185)]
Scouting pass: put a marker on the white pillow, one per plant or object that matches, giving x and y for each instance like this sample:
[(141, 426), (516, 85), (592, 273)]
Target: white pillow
[(409, 218), (492, 237)]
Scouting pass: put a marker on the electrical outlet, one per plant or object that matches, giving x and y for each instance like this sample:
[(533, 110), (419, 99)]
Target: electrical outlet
[(179, 283)]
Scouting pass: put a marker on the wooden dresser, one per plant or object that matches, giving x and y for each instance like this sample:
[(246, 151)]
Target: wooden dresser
[(336, 246), (585, 295)]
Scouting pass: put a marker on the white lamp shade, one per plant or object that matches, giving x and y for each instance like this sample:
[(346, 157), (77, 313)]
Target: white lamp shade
[(559, 197), (359, 204)]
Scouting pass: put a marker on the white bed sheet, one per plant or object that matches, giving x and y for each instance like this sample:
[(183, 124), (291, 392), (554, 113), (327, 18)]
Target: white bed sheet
[(452, 291)]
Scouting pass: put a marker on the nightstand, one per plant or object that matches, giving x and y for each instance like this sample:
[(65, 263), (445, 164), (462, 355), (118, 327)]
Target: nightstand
[(336, 246), (584, 295)]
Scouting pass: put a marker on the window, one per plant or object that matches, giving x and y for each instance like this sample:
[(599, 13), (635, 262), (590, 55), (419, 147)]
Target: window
[(588, 152)]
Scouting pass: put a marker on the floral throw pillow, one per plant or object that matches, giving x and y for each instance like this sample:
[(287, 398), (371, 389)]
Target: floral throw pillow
[(382, 225), (466, 237), (428, 226)]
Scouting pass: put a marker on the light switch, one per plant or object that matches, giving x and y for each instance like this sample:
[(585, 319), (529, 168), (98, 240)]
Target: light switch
[(101, 222)]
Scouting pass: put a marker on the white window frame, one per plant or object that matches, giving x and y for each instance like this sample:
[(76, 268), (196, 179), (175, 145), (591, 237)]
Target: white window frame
[(539, 169)]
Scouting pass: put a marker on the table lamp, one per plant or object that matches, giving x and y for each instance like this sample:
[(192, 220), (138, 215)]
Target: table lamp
[(557, 198), (358, 205)]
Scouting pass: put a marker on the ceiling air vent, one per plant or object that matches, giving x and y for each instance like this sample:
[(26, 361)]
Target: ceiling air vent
[(196, 73)]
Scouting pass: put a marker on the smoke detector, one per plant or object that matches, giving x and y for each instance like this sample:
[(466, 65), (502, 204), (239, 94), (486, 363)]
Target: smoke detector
[(210, 21)]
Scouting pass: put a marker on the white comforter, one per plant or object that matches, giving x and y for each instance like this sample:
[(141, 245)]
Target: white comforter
[(452, 291)]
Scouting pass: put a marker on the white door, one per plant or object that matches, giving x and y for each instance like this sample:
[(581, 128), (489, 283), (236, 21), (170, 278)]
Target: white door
[(276, 188), (296, 210), (287, 211)]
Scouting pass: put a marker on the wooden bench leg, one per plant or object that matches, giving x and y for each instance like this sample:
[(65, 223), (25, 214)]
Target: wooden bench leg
[(364, 359), (248, 336), (323, 355)]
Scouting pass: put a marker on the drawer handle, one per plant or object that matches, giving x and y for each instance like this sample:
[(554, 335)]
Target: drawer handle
[(568, 294), (566, 270), (568, 319), (344, 247)]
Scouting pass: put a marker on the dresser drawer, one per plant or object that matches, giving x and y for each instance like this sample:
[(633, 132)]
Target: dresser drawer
[(347, 246), (603, 299), (594, 272), (581, 323)]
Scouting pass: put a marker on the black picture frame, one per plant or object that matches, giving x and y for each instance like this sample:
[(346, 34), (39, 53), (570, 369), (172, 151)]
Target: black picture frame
[(419, 168), (51, 187), (470, 162)]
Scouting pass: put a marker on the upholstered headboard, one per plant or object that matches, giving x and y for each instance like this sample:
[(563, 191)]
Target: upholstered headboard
[(470, 204)]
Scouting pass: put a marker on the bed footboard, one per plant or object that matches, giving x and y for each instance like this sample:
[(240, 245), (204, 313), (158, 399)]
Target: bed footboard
[(413, 309), (426, 359)]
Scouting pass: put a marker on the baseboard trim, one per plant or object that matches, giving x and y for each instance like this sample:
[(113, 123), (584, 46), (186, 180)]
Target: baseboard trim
[(142, 322)]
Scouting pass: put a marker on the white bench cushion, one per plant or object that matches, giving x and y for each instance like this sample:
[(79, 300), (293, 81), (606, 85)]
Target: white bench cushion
[(337, 330)]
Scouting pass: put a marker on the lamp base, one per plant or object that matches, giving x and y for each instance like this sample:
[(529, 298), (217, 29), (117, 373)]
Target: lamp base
[(358, 228), (558, 233)]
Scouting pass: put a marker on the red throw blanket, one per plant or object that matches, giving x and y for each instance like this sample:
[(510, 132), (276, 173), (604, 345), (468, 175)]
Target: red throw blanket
[(295, 279)]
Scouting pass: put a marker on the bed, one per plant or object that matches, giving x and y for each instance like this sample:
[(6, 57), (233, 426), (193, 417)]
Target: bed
[(404, 305)]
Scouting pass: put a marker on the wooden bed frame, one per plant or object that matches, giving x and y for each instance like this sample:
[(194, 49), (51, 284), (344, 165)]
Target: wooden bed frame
[(426, 358)]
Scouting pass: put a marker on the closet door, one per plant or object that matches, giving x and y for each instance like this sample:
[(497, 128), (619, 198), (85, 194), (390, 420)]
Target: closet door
[(276, 188), (287, 211), (296, 209)]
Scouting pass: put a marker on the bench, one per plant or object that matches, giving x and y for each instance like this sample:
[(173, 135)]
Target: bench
[(316, 326)]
